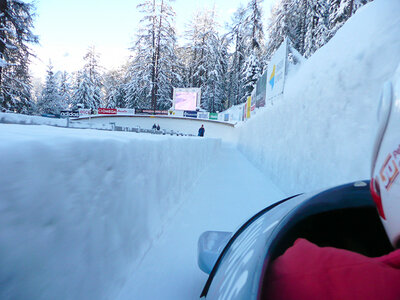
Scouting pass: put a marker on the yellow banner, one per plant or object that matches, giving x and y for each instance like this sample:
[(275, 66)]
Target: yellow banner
[(248, 112)]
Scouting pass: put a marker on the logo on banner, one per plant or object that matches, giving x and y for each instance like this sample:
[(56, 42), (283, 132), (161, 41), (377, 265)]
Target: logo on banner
[(272, 78), (107, 111), (390, 169)]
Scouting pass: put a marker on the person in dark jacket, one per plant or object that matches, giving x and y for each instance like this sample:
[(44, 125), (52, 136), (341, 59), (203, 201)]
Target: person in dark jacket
[(158, 127), (201, 130), (154, 126)]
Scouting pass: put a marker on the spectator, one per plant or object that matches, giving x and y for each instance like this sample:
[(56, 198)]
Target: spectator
[(201, 130), (154, 126), (158, 126)]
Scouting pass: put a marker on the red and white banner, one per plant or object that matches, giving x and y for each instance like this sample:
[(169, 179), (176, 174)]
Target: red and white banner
[(125, 111), (107, 111)]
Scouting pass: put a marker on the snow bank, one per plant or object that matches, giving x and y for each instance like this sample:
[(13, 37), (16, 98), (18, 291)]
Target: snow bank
[(321, 133), (79, 208), (214, 129), (11, 118)]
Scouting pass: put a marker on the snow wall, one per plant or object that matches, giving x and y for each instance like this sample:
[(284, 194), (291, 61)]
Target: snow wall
[(214, 129), (321, 133), (79, 208)]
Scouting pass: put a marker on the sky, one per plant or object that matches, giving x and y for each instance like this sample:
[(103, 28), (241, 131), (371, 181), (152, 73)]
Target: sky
[(66, 29)]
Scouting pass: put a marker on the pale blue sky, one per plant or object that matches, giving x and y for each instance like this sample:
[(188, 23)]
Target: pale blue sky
[(66, 28)]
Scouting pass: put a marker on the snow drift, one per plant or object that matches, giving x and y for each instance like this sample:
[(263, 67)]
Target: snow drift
[(321, 132), (79, 207)]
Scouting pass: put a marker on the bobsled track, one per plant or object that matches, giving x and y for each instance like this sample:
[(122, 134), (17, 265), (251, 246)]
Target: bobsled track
[(169, 269), (214, 129)]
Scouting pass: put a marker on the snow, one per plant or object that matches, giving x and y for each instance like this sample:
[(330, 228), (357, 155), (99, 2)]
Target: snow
[(169, 270), (321, 133), (11, 118), (214, 129), (79, 207), (91, 214)]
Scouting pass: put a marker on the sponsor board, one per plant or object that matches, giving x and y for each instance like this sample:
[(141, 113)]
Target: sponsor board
[(253, 102), (261, 90), (276, 72), (213, 116), (203, 115), (69, 114), (125, 111), (151, 112), (84, 111), (186, 99), (248, 107), (190, 114), (107, 111)]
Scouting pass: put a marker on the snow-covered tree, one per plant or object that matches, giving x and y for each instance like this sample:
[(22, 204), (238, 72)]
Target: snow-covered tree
[(236, 36), (114, 89), (16, 25), (340, 11), (50, 100), (254, 41), (317, 26), (65, 90), (208, 63), (309, 24), (152, 69), (88, 87)]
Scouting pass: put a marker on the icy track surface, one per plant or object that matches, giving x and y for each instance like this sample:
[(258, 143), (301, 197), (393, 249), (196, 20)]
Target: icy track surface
[(227, 194)]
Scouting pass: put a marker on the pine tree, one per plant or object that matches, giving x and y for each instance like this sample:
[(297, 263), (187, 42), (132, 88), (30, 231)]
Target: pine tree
[(50, 100), (316, 35), (254, 37), (88, 87), (16, 25), (208, 64), (114, 90), (65, 91), (152, 70), (340, 11), (236, 35)]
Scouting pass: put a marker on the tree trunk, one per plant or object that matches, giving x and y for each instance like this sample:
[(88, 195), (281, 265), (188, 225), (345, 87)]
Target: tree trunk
[(158, 55), (3, 9), (153, 69), (351, 8)]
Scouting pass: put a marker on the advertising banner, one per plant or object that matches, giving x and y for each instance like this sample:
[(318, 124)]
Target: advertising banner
[(203, 115), (253, 102), (69, 113), (213, 116), (248, 107), (190, 114), (125, 111), (276, 72), (84, 111), (261, 90), (175, 113), (150, 112), (52, 116), (186, 98), (107, 111)]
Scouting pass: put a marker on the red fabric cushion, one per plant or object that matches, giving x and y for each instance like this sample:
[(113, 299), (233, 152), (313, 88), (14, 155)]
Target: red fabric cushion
[(306, 271)]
